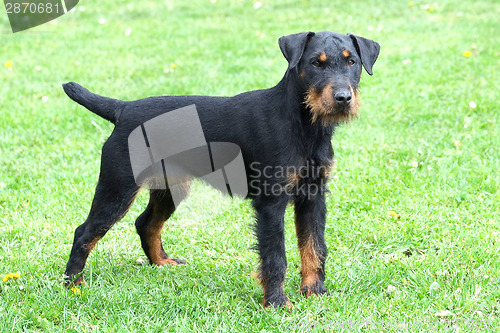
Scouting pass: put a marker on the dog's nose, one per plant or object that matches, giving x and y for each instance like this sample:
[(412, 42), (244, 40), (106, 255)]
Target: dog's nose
[(343, 98)]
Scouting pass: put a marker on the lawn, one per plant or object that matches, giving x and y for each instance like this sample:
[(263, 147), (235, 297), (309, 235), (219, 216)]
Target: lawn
[(413, 215)]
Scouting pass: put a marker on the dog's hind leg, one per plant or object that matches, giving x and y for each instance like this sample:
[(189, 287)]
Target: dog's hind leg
[(150, 224), (110, 204), (115, 192)]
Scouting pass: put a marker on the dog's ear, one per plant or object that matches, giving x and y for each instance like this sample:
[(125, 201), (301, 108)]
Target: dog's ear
[(292, 47), (368, 51)]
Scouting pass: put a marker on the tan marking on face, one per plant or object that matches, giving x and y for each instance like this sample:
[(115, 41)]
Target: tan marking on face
[(346, 54), (327, 96), (322, 57), (322, 106), (313, 102), (355, 101), (302, 74)]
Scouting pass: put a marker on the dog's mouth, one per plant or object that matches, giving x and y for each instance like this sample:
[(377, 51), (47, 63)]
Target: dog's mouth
[(330, 107)]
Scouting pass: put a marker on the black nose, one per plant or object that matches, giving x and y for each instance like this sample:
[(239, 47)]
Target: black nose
[(343, 98)]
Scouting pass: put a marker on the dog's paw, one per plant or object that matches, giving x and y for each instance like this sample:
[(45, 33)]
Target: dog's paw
[(276, 301), (317, 289), (71, 281), (170, 261), (178, 261)]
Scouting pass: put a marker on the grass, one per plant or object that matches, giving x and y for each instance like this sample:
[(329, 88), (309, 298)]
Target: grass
[(413, 224)]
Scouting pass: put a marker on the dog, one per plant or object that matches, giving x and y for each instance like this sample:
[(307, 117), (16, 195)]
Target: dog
[(284, 134)]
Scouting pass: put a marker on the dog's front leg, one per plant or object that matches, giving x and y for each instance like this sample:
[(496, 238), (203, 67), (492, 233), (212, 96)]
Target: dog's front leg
[(271, 246), (310, 215)]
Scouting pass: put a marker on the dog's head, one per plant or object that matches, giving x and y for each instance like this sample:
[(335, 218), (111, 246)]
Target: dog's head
[(328, 67)]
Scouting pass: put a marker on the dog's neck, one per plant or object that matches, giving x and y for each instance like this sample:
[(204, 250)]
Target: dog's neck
[(311, 134)]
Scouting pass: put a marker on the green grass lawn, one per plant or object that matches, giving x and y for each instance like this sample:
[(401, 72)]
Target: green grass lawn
[(413, 216)]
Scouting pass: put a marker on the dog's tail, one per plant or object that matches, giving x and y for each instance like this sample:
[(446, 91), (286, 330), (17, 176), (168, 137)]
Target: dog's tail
[(108, 108)]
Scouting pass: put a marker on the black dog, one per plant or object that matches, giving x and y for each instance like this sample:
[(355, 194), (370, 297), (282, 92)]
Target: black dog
[(284, 134)]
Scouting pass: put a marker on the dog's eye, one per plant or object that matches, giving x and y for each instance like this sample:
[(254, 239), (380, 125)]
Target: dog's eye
[(316, 63), (351, 62)]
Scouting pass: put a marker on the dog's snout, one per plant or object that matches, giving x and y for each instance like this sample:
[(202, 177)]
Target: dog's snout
[(343, 98)]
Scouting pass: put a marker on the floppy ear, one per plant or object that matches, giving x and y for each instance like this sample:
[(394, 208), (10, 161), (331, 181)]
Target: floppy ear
[(368, 51), (292, 47)]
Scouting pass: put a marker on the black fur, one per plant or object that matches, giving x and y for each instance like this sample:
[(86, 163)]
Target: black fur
[(287, 127)]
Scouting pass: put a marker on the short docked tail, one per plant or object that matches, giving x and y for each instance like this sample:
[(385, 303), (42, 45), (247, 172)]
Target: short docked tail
[(108, 108)]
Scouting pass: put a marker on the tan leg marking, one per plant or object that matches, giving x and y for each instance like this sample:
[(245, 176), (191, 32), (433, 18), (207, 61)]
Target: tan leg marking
[(310, 264)]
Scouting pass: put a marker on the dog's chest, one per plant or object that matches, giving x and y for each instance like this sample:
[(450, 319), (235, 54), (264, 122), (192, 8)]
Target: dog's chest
[(309, 177)]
